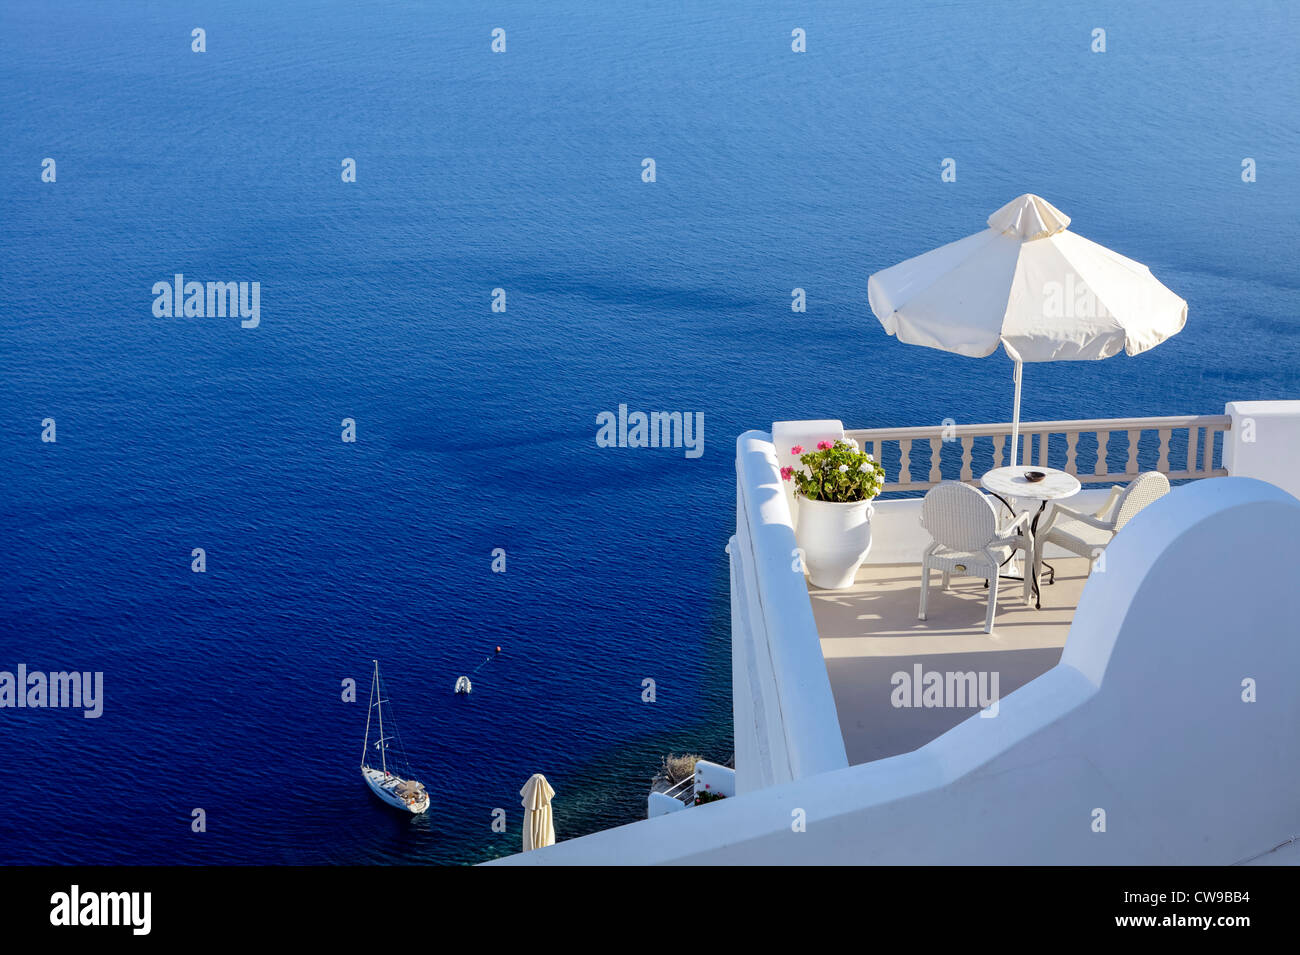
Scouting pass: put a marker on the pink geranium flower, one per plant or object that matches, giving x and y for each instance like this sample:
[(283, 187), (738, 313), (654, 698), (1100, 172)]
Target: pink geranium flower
[(797, 449), (824, 445), (786, 473)]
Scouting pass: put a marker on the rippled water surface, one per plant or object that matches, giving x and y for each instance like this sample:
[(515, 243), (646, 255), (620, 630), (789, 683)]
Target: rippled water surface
[(476, 429)]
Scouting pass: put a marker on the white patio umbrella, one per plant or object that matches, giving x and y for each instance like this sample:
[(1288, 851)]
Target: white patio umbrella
[(539, 827), (1028, 284)]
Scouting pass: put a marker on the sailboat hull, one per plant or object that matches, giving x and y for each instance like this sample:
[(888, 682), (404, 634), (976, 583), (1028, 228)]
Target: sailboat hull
[(384, 786)]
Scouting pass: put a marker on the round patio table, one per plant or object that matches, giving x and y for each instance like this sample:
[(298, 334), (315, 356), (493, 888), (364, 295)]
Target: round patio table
[(1010, 482)]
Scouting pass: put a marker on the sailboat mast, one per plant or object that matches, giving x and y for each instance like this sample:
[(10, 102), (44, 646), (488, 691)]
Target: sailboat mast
[(383, 755), (365, 744)]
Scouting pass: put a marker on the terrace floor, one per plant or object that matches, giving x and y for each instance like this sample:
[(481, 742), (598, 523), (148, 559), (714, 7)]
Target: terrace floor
[(870, 631)]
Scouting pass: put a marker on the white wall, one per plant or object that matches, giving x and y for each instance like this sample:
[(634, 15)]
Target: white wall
[(714, 777), (659, 804), (1264, 442), (1143, 718), (786, 725)]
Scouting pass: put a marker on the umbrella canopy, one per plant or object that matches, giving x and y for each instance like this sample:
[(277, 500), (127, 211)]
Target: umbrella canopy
[(539, 828), (1030, 285)]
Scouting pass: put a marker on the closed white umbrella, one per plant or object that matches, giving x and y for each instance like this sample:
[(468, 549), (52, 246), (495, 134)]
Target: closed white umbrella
[(539, 828), (1030, 285)]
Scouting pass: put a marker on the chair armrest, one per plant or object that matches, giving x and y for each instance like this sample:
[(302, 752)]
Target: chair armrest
[(1023, 518), (1024, 539), (1074, 515), (1115, 492)]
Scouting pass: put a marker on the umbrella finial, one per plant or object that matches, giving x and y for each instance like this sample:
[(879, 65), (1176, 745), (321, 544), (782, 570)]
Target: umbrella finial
[(1029, 217)]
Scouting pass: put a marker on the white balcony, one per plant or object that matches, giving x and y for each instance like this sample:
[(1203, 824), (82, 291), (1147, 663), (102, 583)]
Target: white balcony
[(1158, 693), (819, 704), (870, 632)]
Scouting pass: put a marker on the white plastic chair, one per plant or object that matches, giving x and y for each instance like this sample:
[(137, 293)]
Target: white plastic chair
[(968, 540), (1088, 534)]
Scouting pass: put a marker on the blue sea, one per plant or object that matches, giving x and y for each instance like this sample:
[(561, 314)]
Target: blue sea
[(475, 428)]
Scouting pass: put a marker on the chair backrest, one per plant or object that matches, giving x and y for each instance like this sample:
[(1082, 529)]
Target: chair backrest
[(958, 516), (1142, 490)]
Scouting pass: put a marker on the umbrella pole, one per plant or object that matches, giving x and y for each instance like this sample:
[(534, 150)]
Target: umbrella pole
[(1015, 416)]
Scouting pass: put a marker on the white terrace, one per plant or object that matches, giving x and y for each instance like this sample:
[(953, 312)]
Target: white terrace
[(1132, 690), (870, 632), (866, 634)]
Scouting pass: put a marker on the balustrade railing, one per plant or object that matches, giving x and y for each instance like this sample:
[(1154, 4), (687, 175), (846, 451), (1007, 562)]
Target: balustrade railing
[(1116, 449)]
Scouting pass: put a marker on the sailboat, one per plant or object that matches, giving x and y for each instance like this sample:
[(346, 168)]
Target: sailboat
[(398, 791)]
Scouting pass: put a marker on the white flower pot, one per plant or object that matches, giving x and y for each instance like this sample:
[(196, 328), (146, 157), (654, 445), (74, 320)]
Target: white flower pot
[(835, 539)]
